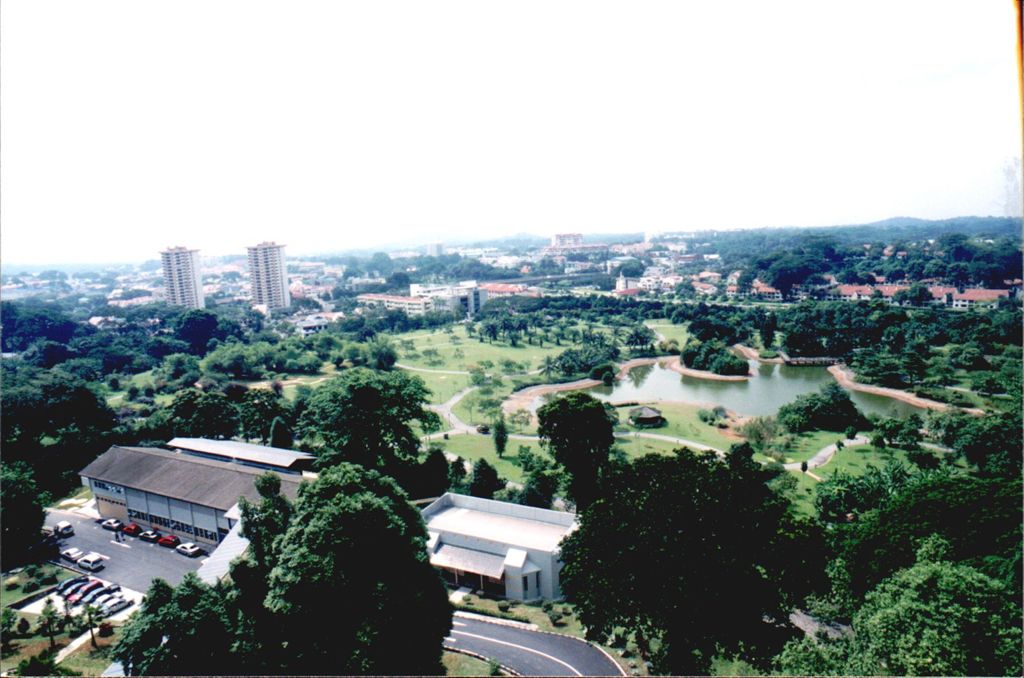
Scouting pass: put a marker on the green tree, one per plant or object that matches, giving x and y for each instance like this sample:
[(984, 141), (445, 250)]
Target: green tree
[(934, 618), (688, 532), (280, 434), (47, 622), (21, 512), (396, 610), (257, 412), (196, 413), (578, 431), (382, 353), (366, 417), (8, 620), (485, 481), (500, 432)]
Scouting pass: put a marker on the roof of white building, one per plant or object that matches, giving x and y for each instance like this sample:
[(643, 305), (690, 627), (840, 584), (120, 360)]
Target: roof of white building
[(512, 524), (273, 456)]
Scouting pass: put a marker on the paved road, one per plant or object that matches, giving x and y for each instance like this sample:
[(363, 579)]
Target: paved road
[(531, 653), (133, 563)]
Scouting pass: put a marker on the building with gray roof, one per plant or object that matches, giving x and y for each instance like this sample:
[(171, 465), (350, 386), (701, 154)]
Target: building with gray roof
[(177, 493), (504, 549), (259, 456)]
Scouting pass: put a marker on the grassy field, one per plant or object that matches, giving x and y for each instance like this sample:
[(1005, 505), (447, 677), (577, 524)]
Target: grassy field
[(31, 644), (90, 661), (682, 422), (665, 328), (473, 447), (458, 351), (809, 444), (853, 460), (442, 386), (456, 664), (17, 583)]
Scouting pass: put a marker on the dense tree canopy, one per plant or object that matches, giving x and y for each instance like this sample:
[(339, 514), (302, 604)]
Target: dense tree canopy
[(578, 431), (703, 555)]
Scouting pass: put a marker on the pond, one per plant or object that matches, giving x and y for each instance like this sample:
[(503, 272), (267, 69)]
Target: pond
[(763, 394)]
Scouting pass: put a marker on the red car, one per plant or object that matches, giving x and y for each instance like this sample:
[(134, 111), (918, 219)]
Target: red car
[(88, 588), (170, 541), (132, 529)]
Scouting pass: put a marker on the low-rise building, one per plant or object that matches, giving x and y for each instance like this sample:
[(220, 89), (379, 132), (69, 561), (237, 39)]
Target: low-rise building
[(394, 302), (176, 492), (501, 548)]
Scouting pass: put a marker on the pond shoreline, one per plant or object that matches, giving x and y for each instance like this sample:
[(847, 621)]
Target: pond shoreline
[(845, 378), (752, 354)]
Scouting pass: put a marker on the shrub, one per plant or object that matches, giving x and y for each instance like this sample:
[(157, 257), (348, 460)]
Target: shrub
[(10, 583), (547, 606), (106, 630), (24, 626), (503, 605), (555, 617), (48, 579), (851, 432), (30, 586), (32, 571)]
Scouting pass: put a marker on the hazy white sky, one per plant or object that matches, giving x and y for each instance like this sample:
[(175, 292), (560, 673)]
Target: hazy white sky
[(131, 126)]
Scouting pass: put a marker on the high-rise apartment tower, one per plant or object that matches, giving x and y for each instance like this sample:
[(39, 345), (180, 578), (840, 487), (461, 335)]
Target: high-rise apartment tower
[(183, 278), (268, 276)]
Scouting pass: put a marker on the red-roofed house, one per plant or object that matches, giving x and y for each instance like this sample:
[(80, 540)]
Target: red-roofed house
[(979, 298)]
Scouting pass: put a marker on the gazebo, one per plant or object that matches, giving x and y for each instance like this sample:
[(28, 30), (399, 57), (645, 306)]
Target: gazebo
[(646, 417)]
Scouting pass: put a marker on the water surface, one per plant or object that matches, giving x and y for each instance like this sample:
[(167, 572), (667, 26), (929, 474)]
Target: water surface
[(763, 394)]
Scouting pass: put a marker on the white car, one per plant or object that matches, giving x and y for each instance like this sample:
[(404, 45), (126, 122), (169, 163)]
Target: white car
[(115, 605), (189, 549), (112, 524), (72, 554), (92, 562)]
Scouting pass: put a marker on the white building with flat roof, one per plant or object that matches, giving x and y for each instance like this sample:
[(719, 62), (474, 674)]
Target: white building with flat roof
[(504, 549), (183, 277), (268, 276)]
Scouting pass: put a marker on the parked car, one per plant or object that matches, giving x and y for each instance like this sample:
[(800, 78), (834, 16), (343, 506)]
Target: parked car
[(77, 596), (483, 428), (170, 541), (72, 554), (63, 529), (72, 590), (189, 549), (99, 601), (92, 562), (90, 598), (115, 605), (68, 583), (150, 535), (132, 529), (112, 524)]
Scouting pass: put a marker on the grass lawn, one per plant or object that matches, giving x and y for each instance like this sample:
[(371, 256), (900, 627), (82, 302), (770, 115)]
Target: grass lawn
[(853, 460), (442, 386), (23, 647), (90, 661), (810, 443), (17, 592), (458, 351), (664, 327), (473, 447), (683, 423), (569, 624), (456, 664), (638, 447)]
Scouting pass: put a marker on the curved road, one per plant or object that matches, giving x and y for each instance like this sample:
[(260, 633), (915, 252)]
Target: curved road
[(528, 652)]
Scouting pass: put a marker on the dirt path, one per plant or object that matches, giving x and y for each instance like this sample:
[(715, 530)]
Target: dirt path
[(752, 354), (677, 366), (845, 379), (824, 455)]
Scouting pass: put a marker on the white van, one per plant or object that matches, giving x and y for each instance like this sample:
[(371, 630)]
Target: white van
[(92, 562), (64, 529)]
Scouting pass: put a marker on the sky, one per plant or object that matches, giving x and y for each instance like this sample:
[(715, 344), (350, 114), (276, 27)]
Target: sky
[(127, 127)]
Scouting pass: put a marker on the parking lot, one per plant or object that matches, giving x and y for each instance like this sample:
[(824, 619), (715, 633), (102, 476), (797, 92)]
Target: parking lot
[(58, 603), (132, 563)]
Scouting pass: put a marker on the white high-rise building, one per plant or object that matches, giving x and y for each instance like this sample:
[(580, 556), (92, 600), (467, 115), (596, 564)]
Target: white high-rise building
[(183, 278), (435, 249), (268, 276)]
